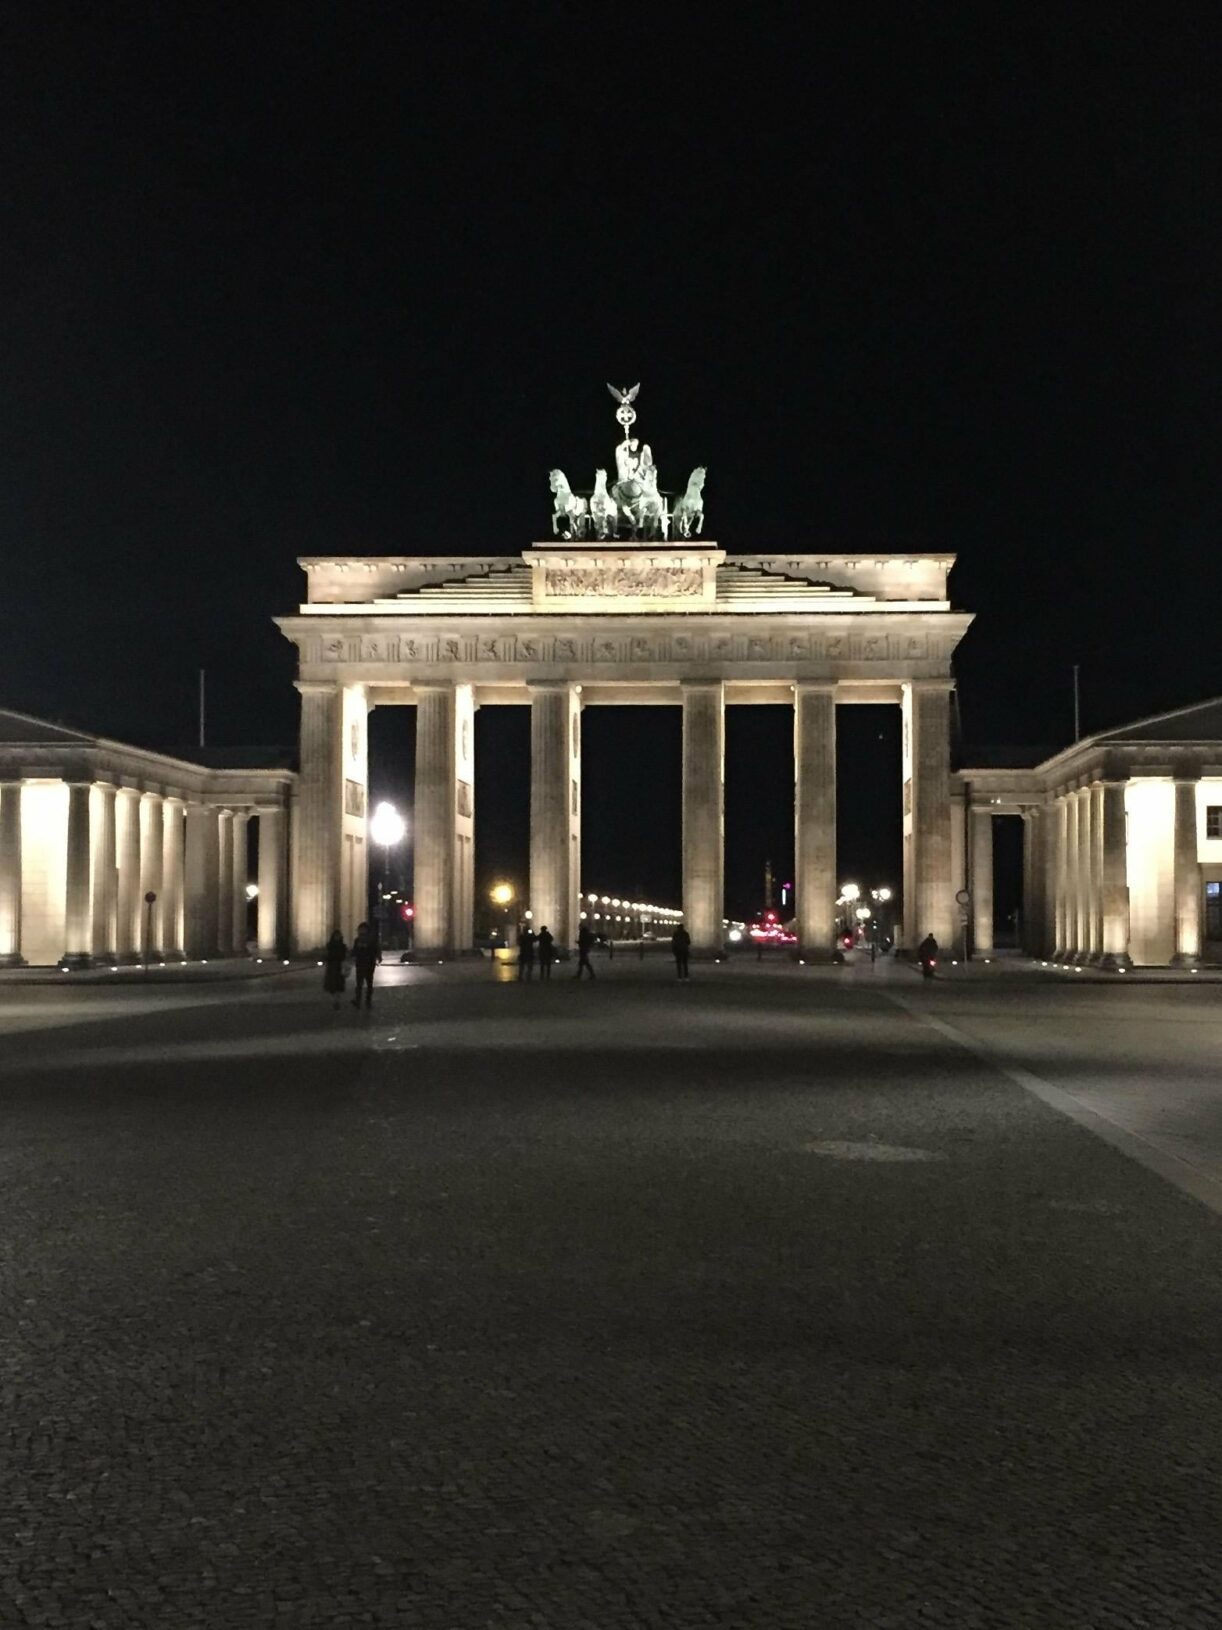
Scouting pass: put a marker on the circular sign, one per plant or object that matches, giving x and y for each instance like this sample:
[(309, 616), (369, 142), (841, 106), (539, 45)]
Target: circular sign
[(149, 898), (963, 898)]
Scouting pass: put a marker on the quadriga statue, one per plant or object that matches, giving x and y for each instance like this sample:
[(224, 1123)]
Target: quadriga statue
[(604, 512), (570, 512), (687, 517)]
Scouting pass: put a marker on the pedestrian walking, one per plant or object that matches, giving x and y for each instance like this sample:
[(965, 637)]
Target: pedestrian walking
[(335, 976), (585, 944), (681, 945), (546, 947), (366, 954), (526, 952)]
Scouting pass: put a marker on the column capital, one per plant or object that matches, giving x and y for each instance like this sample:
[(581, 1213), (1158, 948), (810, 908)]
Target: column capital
[(317, 687)]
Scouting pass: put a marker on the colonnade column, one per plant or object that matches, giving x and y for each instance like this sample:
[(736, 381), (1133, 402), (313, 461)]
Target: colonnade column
[(316, 820), (814, 751), (77, 916), (241, 865), (224, 881), (201, 874), (270, 927), (1187, 875), (982, 879), (172, 846), (104, 878), (1096, 871), (1082, 867), (127, 844), (444, 825), (330, 867), (555, 809), (929, 895), (152, 845), (10, 875), (1037, 892), (704, 751), (1115, 882)]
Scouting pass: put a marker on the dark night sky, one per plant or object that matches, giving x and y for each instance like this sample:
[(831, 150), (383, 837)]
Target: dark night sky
[(299, 279)]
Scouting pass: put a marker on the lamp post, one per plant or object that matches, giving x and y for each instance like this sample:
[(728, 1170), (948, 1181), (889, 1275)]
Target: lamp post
[(386, 828), (501, 894)]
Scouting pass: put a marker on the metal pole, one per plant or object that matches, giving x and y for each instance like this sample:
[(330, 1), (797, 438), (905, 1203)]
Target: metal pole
[(1077, 708)]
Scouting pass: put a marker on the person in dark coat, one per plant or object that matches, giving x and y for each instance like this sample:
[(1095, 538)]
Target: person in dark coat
[(547, 952), (526, 952), (585, 944), (333, 978), (681, 945), (366, 954)]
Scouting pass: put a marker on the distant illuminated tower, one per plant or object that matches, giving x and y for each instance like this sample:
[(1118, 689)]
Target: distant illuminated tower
[(767, 885)]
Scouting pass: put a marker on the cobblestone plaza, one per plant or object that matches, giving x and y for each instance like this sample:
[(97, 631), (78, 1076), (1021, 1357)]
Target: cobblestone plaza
[(524, 1306)]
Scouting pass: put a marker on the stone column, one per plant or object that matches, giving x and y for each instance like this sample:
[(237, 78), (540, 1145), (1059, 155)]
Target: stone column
[(77, 923), (152, 857), (555, 810), (104, 878), (224, 881), (1072, 877), (1083, 867), (814, 752), (1096, 872), (1028, 940), (1060, 819), (270, 928), (1035, 882), (703, 814), (127, 906), (10, 875), (241, 867), (1115, 882), (317, 819), (172, 845), (929, 886), (444, 818), (201, 881), (1187, 876), (982, 880)]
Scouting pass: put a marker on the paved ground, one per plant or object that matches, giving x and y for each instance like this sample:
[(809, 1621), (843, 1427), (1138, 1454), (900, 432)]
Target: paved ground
[(782, 1300)]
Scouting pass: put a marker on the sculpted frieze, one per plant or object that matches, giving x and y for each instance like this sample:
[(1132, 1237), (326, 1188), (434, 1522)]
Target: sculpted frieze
[(618, 582)]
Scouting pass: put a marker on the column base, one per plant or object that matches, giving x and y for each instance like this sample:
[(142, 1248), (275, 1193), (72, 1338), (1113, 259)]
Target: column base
[(1185, 959), (13, 959), (1115, 961), (75, 961)]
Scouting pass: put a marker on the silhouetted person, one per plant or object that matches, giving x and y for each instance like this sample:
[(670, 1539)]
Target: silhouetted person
[(585, 944), (681, 945), (927, 955), (526, 953), (366, 954), (547, 952), (333, 967)]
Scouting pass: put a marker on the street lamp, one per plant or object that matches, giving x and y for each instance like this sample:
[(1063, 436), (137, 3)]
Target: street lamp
[(501, 894), (386, 828)]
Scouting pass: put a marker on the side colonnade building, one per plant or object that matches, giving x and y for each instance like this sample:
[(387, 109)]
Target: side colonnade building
[(1122, 844), (90, 827)]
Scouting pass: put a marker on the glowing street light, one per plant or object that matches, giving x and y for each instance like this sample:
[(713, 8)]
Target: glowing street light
[(502, 894), (850, 891)]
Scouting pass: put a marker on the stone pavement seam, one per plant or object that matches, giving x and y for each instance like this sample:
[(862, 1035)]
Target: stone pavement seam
[(1180, 1173)]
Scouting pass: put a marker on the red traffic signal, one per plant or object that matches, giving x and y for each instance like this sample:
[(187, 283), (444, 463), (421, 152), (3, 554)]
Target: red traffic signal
[(407, 911)]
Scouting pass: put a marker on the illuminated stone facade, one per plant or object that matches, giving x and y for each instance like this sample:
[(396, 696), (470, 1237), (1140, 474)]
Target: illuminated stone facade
[(90, 827), (569, 626), (1122, 850)]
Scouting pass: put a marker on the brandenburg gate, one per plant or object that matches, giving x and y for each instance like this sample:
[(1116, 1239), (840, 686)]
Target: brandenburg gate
[(626, 603)]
